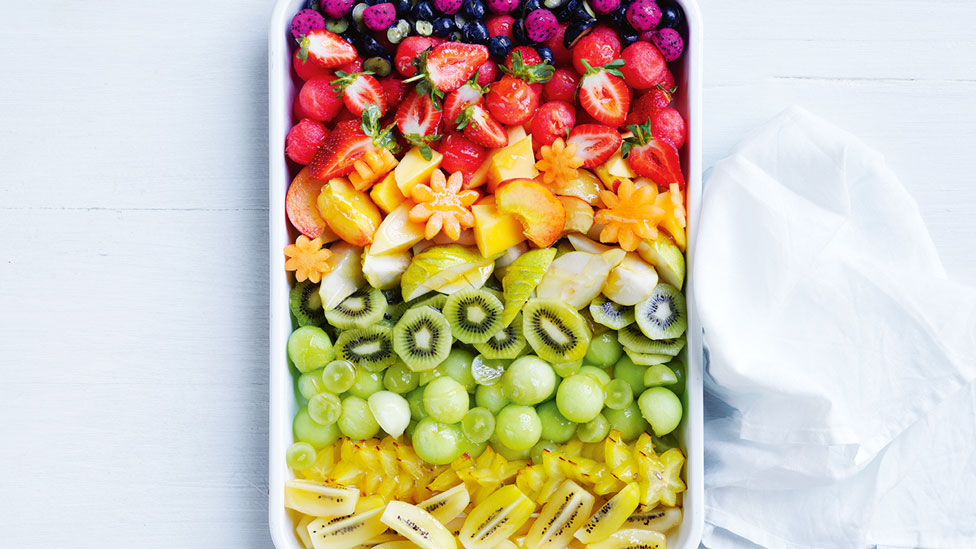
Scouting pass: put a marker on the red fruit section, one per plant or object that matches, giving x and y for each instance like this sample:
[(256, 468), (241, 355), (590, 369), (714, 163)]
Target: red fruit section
[(668, 124), (488, 73), (303, 140), (500, 25), (300, 204), (554, 119), (562, 87), (408, 49), (461, 155), (560, 53), (319, 100), (511, 101), (394, 89), (598, 48), (307, 70), (643, 65)]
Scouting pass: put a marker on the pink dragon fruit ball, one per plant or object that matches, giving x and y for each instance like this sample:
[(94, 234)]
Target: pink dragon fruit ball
[(643, 15), (337, 9), (380, 16), (604, 7), (502, 6), (670, 43), (447, 7), (306, 21), (541, 25)]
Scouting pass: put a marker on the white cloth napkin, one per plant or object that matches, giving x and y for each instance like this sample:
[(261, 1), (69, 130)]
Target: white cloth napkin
[(840, 408)]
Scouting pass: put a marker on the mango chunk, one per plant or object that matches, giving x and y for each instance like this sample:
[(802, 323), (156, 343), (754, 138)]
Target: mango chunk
[(494, 231), (413, 169), (386, 194), (516, 161)]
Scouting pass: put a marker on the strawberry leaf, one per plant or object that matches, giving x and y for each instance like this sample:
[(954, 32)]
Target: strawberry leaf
[(303, 51)]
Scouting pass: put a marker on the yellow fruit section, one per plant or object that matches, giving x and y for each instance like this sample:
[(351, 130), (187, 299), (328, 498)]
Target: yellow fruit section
[(349, 213), (618, 166), (514, 161), (494, 231), (414, 169), (609, 180), (386, 194), (371, 168)]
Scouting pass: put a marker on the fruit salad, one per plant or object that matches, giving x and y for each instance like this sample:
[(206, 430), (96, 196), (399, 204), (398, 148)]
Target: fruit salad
[(489, 225)]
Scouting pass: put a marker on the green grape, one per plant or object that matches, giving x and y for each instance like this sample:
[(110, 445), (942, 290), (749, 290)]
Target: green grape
[(661, 408), (408, 432), (594, 430), (310, 348), (436, 442), (604, 350), (357, 421), (325, 408), (628, 421), (540, 447), (555, 426), (415, 399), (529, 380), (311, 384), (491, 397), (681, 373), (580, 398), (400, 379), (446, 400), (508, 453), (300, 456), (619, 394), (518, 427), (458, 366), (430, 375), (600, 374), (339, 376), (665, 443), (487, 371), (631, 373), (478, 425), (308, 430), (473, 449), (658, 375), (566, 369), (366, 383)]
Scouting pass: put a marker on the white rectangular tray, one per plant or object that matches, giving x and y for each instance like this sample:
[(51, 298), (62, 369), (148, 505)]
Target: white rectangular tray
[(282, 90)]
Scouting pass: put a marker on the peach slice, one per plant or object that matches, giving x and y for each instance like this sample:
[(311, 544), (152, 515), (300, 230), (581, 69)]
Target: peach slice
[(300, 205), (348, 212), (542, 214), (586, 187)]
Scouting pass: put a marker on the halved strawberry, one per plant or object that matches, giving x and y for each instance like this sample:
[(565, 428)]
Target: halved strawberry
[(349, 141), (449, 65), (360, 90), (595, 143), (604, 94), (482, 129), (653, 158), (419, 122), (327, 49), (458, 100)]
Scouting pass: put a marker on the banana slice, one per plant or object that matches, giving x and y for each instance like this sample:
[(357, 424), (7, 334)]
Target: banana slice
[(578, 277), (562, 516), (319, 499), (344, 533), (447, 505), (418, 526), (608, 519), (633, 539), (496, 518)]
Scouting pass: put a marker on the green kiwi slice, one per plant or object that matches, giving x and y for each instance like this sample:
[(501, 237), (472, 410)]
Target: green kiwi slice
[(370, 348), (365, 307), (436, 301), (395, 306), (474, 315), (507, 343), (422, 337), (305, 304), (556, 331), (663, 315), (647, 359), (631, 337), (610, 314)]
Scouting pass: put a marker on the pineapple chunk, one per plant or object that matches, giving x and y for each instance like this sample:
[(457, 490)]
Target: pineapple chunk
[(619, 167), (480, 175), (495, 232), (514, 161), (413, 169), (386, 194), (516, 133)]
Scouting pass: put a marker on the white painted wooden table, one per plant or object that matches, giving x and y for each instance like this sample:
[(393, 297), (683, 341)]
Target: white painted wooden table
[(133, 207)]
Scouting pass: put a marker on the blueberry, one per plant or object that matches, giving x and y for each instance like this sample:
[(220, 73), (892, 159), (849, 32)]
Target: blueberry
[(568, 12), (402, 7), (475, 32), (618, 18), (671, 16), (444, 26), (577, 30), (628, 38), (529, 5), (499, 46), (369, 47), (473, 9), (311, 5), (424, 11), (374, 2), (546, 55), (518, 31), (582, 11)]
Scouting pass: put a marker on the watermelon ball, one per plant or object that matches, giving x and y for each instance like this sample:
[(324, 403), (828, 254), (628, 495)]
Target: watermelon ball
[(303, 140)]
